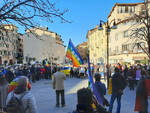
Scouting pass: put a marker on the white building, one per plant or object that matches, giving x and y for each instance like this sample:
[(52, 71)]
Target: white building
[(40, 46)]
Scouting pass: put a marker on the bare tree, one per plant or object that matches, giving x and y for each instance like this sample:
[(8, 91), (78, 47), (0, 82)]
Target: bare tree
[(140, 31), (27, 13)]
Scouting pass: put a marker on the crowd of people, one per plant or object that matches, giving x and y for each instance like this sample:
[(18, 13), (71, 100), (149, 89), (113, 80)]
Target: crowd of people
[(19, 99)]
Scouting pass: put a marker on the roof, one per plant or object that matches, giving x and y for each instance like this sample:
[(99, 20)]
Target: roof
[(123, 4), (91, 31), (82, 44)]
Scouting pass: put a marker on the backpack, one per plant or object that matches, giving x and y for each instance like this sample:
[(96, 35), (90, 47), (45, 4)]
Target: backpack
[(15, 105)]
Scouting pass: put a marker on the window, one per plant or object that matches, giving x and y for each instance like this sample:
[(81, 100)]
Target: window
[(116, 49), (131, 9), (6, 39), (125, 47), (126, 33), (5, 52), (2, 38), (121, 9), (126, 9), (143, 8), (9, 53), (7, 45)]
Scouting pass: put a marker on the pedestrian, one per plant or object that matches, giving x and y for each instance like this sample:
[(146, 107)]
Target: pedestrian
[(84, 101), (87, 103), (71, 73), (33, 76), (101, 89), (142, 104), (58, 85), (27, 102), (3, 91), (138, 74), (118, 85), (9, 75), (125, 72), (131, 79)]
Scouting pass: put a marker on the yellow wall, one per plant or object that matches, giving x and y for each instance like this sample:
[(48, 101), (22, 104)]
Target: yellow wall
[(97, 45)]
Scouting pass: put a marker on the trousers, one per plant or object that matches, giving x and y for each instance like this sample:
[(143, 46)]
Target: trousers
[(58, 94)]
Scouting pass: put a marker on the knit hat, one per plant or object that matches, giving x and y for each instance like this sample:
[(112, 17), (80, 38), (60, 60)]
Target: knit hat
[(19, 81)]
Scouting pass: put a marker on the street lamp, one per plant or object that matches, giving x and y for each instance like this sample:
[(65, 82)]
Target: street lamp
[(107, 29)]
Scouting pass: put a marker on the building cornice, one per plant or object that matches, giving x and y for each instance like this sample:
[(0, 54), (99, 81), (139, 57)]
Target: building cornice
[(122, 4), (91, 31)]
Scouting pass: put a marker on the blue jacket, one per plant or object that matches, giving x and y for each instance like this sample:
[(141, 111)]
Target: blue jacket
[(100, 88)]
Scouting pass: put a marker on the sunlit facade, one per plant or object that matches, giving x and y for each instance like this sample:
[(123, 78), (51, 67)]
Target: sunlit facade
[(43, 44), (97, 45), (122, 47)]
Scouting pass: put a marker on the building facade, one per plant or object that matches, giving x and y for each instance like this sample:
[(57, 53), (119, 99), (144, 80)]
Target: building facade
[(97, 45), (117, 45), (41, 44), (9, 44), (122, 47), (82, 49)]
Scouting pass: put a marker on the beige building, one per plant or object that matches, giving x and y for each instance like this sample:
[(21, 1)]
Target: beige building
[(97, 45), (82, 49), (9, 44), (122, 47), (43, 44)]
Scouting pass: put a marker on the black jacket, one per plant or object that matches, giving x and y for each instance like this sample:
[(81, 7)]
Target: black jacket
[(118, 83)]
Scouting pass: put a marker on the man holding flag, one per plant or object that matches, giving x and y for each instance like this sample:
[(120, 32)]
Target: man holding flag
[(98, 90)]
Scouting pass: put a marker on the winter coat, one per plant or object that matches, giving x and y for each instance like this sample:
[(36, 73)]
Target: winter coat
[(58, 81), (142, 94), (118, 83), (101, 89), (3, 95), (9, 76), (28, 101), (138, 74)]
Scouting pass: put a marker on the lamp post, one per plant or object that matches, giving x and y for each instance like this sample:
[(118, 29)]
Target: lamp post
[(107, 29)]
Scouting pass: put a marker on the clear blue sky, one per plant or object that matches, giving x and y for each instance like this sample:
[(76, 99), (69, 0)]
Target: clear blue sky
[(85, 15)]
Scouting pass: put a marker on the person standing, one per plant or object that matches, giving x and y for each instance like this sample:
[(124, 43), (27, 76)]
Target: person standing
[(142, 103), (71, 72), (84, 101), (32, 70), (100, 87), (3, 92), (23, 94), (118, 85), (58, 85)]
